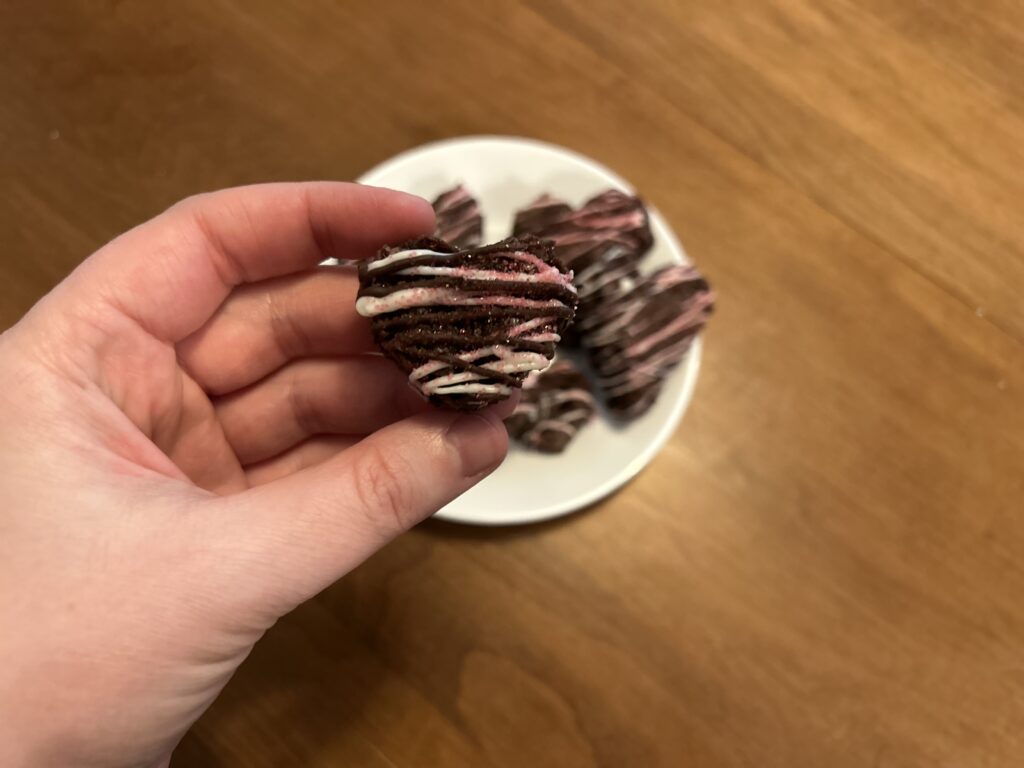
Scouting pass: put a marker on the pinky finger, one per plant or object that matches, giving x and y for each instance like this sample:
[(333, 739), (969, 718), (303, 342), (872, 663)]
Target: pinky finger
[(313, 451)]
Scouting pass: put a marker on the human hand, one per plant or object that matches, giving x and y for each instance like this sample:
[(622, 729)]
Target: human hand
[(192, 442)]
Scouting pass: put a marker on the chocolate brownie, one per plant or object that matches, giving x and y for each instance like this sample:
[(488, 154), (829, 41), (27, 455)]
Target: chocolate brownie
[(642, 331), (609, 222), (467, 325)]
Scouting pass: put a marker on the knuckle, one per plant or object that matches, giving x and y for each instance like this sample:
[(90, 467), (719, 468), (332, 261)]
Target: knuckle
[(191, 202), (382, 492), (288, 335), (303, 408)]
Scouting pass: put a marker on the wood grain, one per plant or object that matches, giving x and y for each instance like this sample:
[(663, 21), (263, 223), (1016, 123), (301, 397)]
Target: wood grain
[(824, 565)]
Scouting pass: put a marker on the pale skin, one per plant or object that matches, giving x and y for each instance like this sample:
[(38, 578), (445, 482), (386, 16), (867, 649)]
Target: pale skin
[(194, 439)]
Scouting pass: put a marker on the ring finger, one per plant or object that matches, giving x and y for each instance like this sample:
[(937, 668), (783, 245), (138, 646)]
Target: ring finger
[(348, 396)]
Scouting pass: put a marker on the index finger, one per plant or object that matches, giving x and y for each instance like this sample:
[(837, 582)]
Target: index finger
[(171, 273)]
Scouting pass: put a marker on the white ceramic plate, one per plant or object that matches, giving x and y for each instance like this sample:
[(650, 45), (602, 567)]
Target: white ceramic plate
[(505, 174)]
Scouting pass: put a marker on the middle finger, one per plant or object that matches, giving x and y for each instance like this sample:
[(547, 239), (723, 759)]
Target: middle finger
[(262, 326)]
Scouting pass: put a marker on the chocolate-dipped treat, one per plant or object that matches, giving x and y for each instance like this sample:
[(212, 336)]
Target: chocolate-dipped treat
[(639, 334), (554, 405), (467, 325), (459, 221), (610, 221)]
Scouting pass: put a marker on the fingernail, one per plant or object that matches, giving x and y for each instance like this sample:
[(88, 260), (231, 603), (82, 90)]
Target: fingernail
[(481, 441)]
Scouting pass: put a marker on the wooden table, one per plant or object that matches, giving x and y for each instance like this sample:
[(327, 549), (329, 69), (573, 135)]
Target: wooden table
[(823, 568)]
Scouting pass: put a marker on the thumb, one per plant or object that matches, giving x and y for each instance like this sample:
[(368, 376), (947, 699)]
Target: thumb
[(305, 531)]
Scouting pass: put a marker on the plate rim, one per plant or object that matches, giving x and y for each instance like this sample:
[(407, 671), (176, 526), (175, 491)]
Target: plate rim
[(690, 371)]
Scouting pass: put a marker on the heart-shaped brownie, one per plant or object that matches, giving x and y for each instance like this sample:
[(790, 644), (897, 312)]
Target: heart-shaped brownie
[(467, 325), (609, 222), (641, 330), (554, 405)]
